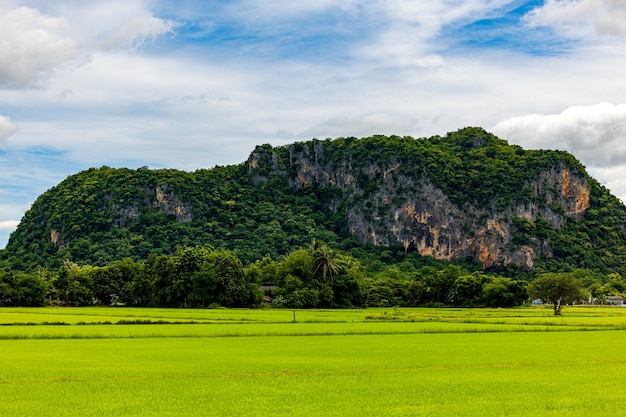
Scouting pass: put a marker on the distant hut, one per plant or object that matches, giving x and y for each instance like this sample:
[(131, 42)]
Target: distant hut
[(614, 300)]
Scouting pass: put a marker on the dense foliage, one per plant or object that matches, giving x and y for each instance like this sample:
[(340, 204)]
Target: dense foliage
[(134, 233), (558, 289), (314, 276)]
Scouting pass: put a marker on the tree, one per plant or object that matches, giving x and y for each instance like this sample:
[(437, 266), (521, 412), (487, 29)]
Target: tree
[(325, 262), (505, 292), (139, 291), (317, 276), (73, 284), (224, 276), (469, 288), (557, 288), (343, 285), (440, 286), (30, 291), (109, 282), (262, 271), (197, 276), (298, 263), (386, 291)]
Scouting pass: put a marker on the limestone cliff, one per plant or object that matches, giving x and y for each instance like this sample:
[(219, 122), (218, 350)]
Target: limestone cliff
[(465, 195), (390, 206)]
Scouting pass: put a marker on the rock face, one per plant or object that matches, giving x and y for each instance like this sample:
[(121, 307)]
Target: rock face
[(421, 216), (466, 195), (160, 197), (169, 203)]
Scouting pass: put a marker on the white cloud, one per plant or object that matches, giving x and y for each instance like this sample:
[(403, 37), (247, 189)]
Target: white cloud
[(6, 129), (409, 28), (6, 227), (580, 18), (137, 30), (9, 212), (9, 225), (32, 44), (212, 100), (613, 178), (389, 32), (594, 134)]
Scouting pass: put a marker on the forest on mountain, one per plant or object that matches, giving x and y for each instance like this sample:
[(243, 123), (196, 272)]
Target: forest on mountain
[(463, 219)]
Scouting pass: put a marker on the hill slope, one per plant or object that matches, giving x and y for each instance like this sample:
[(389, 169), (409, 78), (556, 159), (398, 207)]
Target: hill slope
[(465, 195)]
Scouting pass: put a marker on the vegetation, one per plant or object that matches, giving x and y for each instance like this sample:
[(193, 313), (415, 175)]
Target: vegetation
[(314, 276), (558, 289), (257, 362), (214, 237)]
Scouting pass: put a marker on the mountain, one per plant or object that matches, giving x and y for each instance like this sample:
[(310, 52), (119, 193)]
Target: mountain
[(467, 195)]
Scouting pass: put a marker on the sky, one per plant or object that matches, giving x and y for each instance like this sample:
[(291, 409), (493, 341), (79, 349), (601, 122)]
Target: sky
[(193, 84)]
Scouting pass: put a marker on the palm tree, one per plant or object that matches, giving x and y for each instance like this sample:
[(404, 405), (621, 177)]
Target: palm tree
[(325, 262)]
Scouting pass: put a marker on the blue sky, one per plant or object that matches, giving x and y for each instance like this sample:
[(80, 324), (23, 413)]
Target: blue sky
[(193, 84)]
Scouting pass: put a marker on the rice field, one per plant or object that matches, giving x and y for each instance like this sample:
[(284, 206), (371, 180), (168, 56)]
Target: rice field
[(407, 362)]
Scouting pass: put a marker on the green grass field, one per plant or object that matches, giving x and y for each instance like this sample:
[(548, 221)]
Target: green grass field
[(409, 362)]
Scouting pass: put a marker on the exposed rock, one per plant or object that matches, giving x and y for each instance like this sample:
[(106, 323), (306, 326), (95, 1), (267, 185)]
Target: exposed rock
[(423, 218), (56, 239), (433, 196), (169, 203)]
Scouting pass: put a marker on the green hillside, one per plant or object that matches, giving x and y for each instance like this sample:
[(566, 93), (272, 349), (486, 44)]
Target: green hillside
[(465, 220), (335, 191)]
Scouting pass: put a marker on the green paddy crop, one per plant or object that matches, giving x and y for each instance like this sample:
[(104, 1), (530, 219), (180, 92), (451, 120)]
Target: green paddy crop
[(332, 363)]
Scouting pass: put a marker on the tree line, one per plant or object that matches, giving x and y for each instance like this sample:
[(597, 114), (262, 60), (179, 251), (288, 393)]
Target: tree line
[(102, 215), (314, 276)]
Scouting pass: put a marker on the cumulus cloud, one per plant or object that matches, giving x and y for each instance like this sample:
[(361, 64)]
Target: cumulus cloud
[(139, 29), (32, 44), (9, 225), (581, 18), (593, 134), (410, 28), (377, 66), (6, 227), (6, 129)]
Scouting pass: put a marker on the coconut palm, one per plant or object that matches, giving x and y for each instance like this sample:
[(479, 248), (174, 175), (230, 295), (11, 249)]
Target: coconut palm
[(326, 262)]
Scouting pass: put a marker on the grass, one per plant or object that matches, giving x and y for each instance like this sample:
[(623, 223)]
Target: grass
[(490, 362)]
